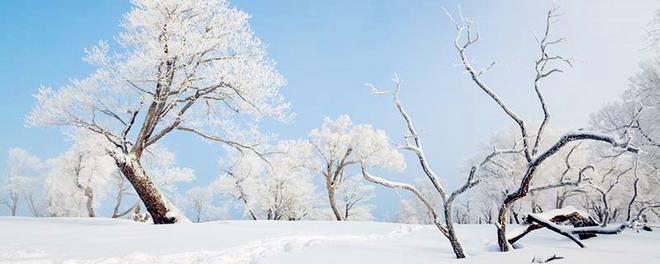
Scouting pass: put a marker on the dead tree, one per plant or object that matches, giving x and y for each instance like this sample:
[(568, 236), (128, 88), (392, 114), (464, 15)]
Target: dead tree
[(544, 67), (413, 143)]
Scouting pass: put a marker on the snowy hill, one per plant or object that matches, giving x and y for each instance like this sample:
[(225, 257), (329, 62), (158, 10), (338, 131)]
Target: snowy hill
[(84, 240)]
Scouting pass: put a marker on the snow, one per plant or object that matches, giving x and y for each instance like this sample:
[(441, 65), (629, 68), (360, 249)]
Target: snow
[(566, 210), (109, 241)]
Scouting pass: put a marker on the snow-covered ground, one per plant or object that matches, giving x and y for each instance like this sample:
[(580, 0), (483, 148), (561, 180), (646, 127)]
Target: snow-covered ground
[(84, 240)]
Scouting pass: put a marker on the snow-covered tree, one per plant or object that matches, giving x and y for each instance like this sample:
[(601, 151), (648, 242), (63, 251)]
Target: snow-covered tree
[(122, 189), (353, 193), (631, 189), (200, 200), (276, 186), (161, 162), (22, 181), (339, 145), (193, 66), (413, 211), (78, 180)]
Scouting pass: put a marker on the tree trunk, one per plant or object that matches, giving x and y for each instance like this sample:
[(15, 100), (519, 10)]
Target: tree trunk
[(158, 206), (333, 202), (14, 203), (501, 228), (451, 234), (632, 200)]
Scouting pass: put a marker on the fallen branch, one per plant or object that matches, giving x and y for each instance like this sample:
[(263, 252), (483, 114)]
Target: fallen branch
[(554, 227), (546, 260), (583, 225)]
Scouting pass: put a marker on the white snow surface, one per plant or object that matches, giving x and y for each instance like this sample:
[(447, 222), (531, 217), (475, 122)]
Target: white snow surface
[(562, 211), (109, 241)]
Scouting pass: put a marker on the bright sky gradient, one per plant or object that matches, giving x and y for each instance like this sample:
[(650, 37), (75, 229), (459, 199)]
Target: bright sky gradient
[(328, 50)]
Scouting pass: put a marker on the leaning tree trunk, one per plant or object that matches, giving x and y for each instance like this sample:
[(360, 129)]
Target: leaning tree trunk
[(158, 206)]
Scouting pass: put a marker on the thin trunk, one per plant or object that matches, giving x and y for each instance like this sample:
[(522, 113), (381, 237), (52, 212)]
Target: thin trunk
[(515, 217), (632, 200), (121, 189), (117, 214), (13, 206), (31, 206), (606, 211), (90, 202)]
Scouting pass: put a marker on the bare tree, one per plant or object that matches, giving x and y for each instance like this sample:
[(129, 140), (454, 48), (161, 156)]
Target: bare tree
[(608, 181), (534, 156), (414, 145)]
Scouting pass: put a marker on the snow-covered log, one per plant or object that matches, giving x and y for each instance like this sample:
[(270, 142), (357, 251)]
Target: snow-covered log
[(581, 224), (554, 227)]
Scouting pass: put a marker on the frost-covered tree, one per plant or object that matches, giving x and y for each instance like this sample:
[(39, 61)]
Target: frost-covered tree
[(122, 189), (274, 186), (161, 162), (339, 145), (636, 116), (199, 199), (22, 181), (414, 211), (78, 180), (352, 196), (192, 66)]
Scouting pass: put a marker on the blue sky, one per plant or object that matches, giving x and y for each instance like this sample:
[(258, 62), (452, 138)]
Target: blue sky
[(328, 50)]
